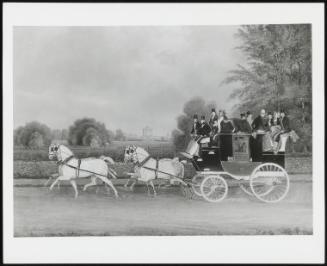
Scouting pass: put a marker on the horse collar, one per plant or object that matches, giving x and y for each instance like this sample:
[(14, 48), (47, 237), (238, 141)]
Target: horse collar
[(66, 160), (144, 161)]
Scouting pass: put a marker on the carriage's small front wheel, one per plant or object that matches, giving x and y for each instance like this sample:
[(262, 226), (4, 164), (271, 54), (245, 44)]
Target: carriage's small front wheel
[(196, 183), (269, 182), (214, 188)]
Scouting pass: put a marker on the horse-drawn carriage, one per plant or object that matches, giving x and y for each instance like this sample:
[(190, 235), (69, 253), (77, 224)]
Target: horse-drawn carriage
[(259, 174), (263, 177)]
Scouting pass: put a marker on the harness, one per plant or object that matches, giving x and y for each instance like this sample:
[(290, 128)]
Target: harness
[(141, 164)]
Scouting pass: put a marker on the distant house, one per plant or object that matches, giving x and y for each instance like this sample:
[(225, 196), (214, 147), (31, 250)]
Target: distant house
[(147, 133)]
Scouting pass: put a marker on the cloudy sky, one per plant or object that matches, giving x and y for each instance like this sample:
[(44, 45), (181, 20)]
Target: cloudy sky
[(126, 77)]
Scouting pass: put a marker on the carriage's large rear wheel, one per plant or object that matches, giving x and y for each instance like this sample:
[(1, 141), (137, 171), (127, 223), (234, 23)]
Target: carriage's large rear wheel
[(214, 188), (196, 184), (269, 182)]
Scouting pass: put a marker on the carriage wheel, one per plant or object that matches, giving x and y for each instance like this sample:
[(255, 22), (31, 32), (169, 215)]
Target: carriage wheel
[(214, 188), (196, 183), (269, 182)]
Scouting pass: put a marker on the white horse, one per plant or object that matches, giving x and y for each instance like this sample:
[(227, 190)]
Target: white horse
[(70, 169), (107, 159), (147, 168)]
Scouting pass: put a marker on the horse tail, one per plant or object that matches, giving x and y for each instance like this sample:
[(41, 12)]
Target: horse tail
[(107, 159)]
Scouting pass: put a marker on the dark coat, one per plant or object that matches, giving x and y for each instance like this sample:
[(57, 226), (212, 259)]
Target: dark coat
[(259, 123), (285, 124), (244, 126), (195, 128), (204, 129)]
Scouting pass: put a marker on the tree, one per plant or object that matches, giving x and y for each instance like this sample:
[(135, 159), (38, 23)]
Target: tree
[(36, 140), (278, 72), (120, 135), (182, 135), (33, 134), (83, 130)]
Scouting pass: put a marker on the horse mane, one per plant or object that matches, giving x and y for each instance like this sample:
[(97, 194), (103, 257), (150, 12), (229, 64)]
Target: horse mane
[(142, 151), (65, 150)]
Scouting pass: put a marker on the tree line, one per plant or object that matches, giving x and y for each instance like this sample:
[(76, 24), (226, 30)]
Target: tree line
[(85, 132)]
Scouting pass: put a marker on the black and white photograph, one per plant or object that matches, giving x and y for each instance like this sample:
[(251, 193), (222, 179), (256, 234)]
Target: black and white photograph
[(164, 130)]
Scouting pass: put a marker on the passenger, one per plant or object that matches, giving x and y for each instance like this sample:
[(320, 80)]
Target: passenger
[(284, 122), (260, 124), (214, 139), (196, 126), (260, 127), (249, 117), (213, 117), (244, 126), (204, 129), (276, 119), (270, 121), (220, 118), (226, 144)]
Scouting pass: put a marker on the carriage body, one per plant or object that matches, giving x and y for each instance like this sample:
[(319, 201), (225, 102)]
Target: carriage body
[(257, 172)]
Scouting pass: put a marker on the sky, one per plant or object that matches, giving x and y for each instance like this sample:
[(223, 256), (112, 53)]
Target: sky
[(126, 77)]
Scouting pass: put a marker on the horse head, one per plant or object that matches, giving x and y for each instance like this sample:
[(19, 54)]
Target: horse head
[(59, 151), (135, 154), (53, 151), (129, 155)]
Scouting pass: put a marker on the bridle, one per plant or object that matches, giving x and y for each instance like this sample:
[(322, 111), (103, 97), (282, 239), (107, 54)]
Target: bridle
[(138, 163)]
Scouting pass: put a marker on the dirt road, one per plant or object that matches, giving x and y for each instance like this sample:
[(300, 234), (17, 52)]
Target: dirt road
[(39, 212)]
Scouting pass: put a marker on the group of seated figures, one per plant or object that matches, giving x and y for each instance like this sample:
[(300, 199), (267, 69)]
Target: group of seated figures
[(267, 133)]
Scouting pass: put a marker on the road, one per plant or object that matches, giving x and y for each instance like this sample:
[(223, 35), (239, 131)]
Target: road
[(39, 212)]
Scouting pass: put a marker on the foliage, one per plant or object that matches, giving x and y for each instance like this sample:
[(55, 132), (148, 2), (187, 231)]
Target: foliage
[(278, 73), (32, 135), (115, 150), (182, 135), (86, 131), (120, 135)]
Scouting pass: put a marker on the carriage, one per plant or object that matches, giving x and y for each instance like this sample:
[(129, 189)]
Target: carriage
[(260, 174)]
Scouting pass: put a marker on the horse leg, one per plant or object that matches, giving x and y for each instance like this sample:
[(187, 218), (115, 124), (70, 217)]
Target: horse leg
[(73, 182), (133, 184), (55, 182), (47, 182), (154, 191), (109, 183), (126, 184), (148, 188), (92, 183)]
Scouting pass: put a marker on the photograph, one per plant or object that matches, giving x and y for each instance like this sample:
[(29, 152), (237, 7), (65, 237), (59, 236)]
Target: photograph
[(132, 130)]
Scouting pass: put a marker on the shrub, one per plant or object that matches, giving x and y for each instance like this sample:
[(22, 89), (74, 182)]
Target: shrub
[(32, 135), (84, 130)]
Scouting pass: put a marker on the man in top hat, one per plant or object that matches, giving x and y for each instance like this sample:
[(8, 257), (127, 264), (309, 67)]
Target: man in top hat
[(213, 117), (260, 123), (243, 125), (205, 129), (196, 126)]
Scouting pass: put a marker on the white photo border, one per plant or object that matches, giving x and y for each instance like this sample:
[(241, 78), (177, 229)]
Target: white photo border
[(193, 249)]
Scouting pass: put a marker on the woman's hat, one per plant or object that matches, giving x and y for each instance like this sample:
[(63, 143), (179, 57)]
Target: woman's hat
[(213, 110), (195, 116), (203, 117)]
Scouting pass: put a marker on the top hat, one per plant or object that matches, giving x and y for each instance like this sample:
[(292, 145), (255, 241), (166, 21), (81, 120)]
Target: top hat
[(242, 114), (213, 110)]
